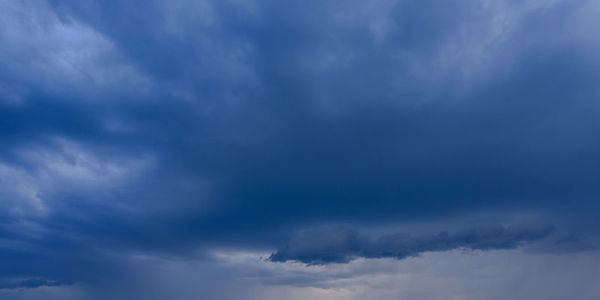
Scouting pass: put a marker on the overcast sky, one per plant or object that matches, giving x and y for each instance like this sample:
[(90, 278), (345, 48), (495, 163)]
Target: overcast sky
[(266, 150)]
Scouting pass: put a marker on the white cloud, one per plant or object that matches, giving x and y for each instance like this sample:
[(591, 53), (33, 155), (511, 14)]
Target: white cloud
[(47, 172), (58, 55)]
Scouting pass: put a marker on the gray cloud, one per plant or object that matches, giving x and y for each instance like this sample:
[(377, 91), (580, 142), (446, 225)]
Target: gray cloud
[(343, 244)]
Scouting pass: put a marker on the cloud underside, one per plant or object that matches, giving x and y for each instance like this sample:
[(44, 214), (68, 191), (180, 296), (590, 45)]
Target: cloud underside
[(343, 244)]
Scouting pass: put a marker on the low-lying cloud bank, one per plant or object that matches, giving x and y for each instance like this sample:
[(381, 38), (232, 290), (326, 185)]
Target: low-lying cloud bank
[(29, 283), (342, 244)]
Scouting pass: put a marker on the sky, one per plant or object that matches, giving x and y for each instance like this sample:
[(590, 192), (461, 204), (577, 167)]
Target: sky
[(316, 149)]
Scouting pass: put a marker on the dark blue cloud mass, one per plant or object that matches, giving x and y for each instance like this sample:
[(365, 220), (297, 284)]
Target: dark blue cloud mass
[(338, 244), (175, 129)]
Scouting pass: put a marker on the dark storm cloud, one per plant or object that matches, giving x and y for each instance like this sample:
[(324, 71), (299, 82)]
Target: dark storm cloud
[(168, 126), (340, 245), (296, 115)]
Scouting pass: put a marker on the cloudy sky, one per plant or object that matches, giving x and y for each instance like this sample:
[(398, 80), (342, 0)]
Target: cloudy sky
[(316, 149)]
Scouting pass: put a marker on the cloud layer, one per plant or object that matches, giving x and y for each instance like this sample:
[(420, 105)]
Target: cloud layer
[(339, 244), (174, 128)]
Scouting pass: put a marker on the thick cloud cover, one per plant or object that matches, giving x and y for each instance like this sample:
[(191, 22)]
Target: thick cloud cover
[(173, 128)]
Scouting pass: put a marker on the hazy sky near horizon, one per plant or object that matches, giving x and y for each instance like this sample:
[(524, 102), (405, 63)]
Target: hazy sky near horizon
[(262, 149)]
